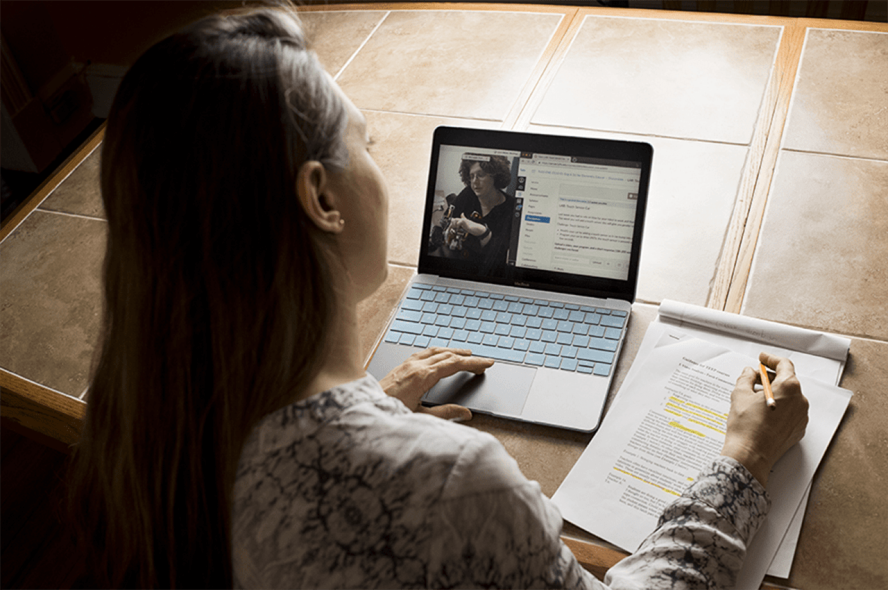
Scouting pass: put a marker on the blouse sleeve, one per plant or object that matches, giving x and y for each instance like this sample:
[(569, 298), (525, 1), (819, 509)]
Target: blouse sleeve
[(494, 528), (701, 538)]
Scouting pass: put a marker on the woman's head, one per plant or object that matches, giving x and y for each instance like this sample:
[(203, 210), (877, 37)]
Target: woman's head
[(480, 170), (218, 285)]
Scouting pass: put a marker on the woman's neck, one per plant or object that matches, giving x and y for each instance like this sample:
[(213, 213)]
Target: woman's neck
[(490, 200), (343, 362)]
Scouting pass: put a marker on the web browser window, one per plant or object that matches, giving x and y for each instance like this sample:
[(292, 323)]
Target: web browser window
[(575, 215)]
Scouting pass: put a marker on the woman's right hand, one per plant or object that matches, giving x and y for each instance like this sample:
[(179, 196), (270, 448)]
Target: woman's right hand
[(757, 436)]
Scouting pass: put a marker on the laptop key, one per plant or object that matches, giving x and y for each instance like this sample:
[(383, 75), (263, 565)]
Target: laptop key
[(603, 344), (599, 356), (564, 338), (537, 347), (407, 339), (568, 364), (393, 337), (506, 342), (412, 304), (602, 369), (498, 354), (553, 349), (553, 362), (409, 316), (612, 321), (536, 360), (613, 333), (521, 344), (422, 341), (402, 326)]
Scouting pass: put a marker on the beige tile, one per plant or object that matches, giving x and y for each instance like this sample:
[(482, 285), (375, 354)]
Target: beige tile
[(460, 64), (692, 194), (546, 454), (336, 35), (840, 103), (375, 311), (402, 149), (51, 306), (692, 80), (81, 191), (820, 259), (843, 542)]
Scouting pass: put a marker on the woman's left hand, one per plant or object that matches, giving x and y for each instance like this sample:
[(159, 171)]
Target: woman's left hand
[(410, 380)]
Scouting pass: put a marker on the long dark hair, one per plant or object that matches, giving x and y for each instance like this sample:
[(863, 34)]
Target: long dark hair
[(217, 289)]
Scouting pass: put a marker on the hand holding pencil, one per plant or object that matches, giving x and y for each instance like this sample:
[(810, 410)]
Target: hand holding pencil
[(762, 426)]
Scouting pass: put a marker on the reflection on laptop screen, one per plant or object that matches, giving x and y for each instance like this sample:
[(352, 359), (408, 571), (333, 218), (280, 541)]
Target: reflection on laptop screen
[(499, 209)]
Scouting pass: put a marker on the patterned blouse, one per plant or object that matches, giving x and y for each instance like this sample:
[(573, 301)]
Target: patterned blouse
[(350, 489)]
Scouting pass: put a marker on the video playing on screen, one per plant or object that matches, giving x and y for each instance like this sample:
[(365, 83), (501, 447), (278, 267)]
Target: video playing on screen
[(495, 209)]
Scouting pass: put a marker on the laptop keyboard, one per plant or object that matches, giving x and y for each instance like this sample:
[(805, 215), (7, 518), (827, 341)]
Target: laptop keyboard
[(520, 330)]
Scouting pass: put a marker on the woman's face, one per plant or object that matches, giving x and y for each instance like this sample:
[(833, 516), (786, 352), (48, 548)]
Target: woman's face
[(480, 181), (364, 209)]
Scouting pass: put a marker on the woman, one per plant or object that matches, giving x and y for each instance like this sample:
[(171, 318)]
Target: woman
[(232, 436), (482, 211)]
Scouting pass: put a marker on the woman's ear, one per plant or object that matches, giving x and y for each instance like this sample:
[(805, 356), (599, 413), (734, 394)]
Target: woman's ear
[(313, 190)]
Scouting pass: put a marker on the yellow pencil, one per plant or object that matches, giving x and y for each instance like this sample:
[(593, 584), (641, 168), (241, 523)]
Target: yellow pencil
[(766, 383)]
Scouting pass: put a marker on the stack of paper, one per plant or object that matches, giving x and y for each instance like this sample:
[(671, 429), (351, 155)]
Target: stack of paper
[(668, 422)]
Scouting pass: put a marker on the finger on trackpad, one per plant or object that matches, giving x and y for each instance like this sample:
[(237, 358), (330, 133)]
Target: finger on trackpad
[(501, 389)]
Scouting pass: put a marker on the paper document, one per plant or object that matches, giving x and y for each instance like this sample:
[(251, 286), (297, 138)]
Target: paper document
[(668, 423), (813, 353)]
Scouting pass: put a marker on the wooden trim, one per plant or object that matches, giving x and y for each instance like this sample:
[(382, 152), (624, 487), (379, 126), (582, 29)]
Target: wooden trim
[(594, 558), (50, 184), (40, 409), (756, 164), (548, 57)]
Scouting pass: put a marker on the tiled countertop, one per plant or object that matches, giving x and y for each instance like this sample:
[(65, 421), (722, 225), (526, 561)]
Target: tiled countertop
[(769, 197)]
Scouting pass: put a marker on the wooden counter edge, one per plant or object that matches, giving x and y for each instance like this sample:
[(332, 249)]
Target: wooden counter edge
[(47, 416), (597, 559)]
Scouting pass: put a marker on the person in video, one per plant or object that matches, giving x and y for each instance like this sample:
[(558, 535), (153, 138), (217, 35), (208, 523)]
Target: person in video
[(480, 225), (233, 437)]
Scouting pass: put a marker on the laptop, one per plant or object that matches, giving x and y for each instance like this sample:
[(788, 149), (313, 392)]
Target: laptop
[(530, 252)]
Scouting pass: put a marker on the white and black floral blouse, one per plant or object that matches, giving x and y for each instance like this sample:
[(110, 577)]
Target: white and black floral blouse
[(350, 489)]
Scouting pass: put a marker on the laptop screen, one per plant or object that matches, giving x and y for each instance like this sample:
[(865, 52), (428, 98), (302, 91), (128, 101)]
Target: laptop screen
[(539, 211)]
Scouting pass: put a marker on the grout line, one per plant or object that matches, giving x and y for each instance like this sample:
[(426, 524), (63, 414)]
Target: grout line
[(66, 214), (544, 126), (839, 156), (429, 116), (361, 46), (402, 265)]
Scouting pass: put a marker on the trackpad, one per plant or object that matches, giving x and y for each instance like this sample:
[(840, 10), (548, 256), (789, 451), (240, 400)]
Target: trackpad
[(501, 390)]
